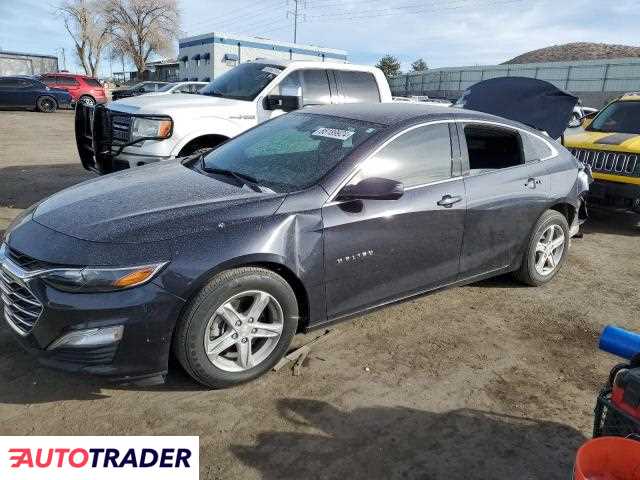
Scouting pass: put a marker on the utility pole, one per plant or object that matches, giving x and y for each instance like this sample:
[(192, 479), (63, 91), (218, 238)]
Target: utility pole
[(296, 13)]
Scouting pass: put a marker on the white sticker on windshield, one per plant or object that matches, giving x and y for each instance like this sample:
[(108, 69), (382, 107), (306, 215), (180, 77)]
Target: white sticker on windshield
[(333, 133), (271, 70)]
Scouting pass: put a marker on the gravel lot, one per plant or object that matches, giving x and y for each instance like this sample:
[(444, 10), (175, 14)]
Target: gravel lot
[(492, 380)]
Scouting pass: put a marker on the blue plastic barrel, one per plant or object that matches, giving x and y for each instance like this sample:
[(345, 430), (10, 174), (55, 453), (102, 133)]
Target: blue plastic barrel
[(620, 342)]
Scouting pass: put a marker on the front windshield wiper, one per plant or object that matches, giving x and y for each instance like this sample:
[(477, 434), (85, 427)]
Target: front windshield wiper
[(243, 178)]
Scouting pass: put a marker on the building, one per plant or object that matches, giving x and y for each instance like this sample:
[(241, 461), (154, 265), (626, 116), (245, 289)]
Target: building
[(15, 63), (205, 57), (162, 70), (594, 81)]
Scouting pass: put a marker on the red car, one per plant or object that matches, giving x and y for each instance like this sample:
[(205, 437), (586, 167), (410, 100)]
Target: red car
[(83, 89)]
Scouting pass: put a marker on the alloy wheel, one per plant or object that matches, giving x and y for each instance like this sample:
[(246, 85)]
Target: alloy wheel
[(549, 249), (88, 101), (47, 105), (244, 331)]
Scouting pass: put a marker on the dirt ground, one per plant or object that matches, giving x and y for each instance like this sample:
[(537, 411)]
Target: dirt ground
[(488, 381)]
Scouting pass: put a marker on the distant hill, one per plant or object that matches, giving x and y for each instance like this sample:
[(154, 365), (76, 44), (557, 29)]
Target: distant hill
[(576, 51)]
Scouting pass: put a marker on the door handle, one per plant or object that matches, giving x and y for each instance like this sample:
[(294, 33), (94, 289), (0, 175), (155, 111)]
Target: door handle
[(448, 201), (532, 182)]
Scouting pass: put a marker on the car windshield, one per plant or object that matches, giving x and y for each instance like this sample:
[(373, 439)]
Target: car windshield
[(243, 82), (618, 117), (291, 152), (166, 88)]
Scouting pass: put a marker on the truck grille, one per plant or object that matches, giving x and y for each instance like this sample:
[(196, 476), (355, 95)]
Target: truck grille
[(21, 308), (609, 162), (121, 128)]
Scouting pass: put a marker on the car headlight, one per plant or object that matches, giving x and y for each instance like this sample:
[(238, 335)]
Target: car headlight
[(159, 128), (91, 280)]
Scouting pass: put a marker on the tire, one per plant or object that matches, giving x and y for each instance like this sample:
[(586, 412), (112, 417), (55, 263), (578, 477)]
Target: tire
[(46, 104), (202, 326), (87, 100), (530, 271)]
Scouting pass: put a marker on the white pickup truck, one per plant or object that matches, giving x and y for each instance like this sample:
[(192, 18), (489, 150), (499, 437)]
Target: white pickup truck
[(139, 130)]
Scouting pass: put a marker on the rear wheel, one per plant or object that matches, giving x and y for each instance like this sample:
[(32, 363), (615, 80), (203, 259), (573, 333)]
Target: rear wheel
[(87, 100), (546, 251), (237, 327), (46, 104)]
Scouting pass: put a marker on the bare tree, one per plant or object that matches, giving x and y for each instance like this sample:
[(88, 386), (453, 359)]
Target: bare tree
[(143, 27), (86, 23)]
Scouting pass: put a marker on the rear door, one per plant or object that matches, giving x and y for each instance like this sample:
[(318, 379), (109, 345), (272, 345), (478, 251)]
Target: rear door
[(505, 196), (381, 250)]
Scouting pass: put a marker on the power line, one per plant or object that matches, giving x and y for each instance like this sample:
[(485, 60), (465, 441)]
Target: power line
[(296, 13)]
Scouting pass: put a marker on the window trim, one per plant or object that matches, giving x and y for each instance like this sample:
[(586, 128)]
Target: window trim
[(356, 169)]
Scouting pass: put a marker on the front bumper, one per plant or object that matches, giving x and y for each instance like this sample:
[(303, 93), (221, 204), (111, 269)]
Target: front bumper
[(616, 194), (148, 314)]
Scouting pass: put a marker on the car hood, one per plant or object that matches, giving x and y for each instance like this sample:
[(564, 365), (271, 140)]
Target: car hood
[(619, 142), (164, 104), (152, 203), (534, 102)]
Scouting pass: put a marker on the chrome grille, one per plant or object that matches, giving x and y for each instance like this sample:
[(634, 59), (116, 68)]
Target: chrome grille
[(121, 125), (21, 308), (608, 162)]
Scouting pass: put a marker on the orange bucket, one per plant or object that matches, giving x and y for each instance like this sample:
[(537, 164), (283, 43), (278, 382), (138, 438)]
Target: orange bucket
[(608, 458)]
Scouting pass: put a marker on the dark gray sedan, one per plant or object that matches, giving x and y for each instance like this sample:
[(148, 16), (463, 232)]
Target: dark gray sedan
[(305, 220)]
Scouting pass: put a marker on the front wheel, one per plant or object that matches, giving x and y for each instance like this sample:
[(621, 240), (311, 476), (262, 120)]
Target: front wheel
[(87, 100), (237, 327), (46, 104), (546, 251)]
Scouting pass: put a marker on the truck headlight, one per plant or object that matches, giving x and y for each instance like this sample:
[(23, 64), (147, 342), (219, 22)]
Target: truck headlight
[(158, 128), (91, 280)]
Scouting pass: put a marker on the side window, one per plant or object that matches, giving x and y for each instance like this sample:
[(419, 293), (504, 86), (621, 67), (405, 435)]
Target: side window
[(28, 84), (8, 83), (358, 86), (315, 87), (535, 148), (289, 86), (422, 155), (491, 147), (49, 79), (66, 81)]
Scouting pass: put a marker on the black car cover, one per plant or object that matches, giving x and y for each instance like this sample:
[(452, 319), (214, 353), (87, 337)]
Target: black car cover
[(534, 102)]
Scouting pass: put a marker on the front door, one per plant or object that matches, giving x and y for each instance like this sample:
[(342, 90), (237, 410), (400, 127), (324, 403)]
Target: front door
[(380, 250)]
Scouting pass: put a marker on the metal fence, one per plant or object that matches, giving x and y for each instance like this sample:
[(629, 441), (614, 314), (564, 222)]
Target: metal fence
[(594, 81)]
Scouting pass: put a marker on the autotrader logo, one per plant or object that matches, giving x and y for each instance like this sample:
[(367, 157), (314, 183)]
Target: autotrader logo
[(26, 458)]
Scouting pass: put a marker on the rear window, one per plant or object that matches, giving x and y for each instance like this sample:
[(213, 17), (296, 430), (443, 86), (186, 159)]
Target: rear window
[(93, 82), (358, 86)]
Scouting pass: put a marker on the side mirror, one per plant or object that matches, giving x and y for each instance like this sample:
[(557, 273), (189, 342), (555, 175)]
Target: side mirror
[(372, 188), (287, 103)]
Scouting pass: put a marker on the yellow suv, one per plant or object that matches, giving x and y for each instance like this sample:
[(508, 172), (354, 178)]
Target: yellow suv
[(610, 144)]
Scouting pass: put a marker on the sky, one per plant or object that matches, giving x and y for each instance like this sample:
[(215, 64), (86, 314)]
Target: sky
[(444, 33)]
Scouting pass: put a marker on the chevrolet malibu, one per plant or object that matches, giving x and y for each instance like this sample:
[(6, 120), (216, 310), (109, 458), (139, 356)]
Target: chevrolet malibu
[(305, 220)]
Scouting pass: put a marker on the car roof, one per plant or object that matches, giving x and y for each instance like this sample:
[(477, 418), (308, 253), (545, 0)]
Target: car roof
[(315, 64), (68, 74), (396, 113)]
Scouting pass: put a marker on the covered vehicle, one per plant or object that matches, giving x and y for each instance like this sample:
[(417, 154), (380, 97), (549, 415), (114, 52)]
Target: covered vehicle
[(610, 144), (536, 103), (307, 219)]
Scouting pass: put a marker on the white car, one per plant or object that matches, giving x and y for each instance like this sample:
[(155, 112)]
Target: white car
[(179, 87), (140, 130)]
